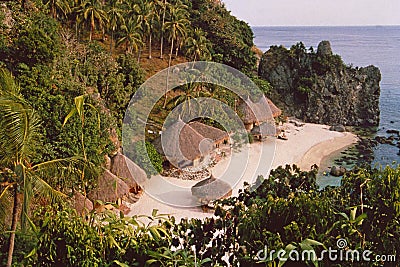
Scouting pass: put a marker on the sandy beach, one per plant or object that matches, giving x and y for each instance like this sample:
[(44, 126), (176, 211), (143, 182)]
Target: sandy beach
[(306, 145)]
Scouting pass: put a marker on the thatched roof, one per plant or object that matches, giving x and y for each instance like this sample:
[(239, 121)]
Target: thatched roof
[(127, 170), (81, 204), (210, 132), (109, 188), (181, 142), (265, 129), (276, 112), (258, 112), (211, 189)]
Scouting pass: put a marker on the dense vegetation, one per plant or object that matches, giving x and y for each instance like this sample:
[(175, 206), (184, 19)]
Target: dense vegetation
[(285, 211), (68, 71)]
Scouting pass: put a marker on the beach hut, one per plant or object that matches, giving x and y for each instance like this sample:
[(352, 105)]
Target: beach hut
[(109, 188), (81, 204), (264, 130), (187, 144), (128, 171), (255, 113), (182, 145), (211, 189), (216, 135)]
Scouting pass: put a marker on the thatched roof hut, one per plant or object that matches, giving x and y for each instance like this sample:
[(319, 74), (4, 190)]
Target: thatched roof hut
[(81, 204), (109, 188), (276, 112), (211, 189), (265, 129), (210, 132), (125, 169), (182, 144), (258, 112)]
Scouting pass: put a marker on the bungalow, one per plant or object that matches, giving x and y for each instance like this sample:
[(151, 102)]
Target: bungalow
[(188, 144), (255, 113)]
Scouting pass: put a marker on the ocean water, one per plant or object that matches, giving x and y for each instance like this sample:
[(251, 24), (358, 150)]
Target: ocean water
[(359, 46)]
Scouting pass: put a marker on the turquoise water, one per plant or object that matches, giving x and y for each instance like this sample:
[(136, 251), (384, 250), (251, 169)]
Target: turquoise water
[(359, 46)]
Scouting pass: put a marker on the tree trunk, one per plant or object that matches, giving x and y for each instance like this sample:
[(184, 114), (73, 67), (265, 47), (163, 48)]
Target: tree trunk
[(150, 45), (90, 34), (13, 227), (169, 67), (162, 30), (111, 41), (91, 28), (138, 57)]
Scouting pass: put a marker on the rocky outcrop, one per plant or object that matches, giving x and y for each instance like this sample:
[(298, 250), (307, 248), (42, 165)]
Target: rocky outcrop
[(338, 171), (318, 87), (337, 128)]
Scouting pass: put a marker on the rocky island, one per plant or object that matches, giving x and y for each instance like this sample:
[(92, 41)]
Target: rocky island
[(318, 87)]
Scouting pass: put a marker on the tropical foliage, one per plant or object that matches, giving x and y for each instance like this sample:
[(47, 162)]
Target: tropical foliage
[(68, 71)]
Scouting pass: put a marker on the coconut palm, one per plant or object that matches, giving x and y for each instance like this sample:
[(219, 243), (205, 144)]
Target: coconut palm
[(20, 177), (58, 8), (186, 98), (163, 8), (176, 26), (93, 14), (198, 46), (145, 15), (115, 18), (131, 37)]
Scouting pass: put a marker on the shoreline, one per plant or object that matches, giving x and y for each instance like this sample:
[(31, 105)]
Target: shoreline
[(321, 152), (306, 145)]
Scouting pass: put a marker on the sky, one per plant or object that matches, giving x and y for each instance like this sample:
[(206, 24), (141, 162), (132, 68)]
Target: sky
[(316, 12)]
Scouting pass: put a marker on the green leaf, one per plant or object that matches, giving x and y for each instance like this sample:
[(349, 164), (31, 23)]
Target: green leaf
[(120, 263), (79, 101), (311, 242), (151, 261), (154, 213), (70, 114)]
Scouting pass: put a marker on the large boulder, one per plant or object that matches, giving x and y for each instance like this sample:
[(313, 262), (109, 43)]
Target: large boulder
[(324, 48), (338, 171), (337, 128)]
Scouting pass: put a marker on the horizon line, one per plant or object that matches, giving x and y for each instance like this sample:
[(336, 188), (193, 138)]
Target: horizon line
[(368, 25)]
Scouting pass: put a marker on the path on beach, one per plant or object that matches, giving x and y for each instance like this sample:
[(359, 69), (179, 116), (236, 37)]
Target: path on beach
[(306, 145)]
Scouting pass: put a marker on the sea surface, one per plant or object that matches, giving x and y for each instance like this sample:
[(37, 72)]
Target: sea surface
[(359, 46)]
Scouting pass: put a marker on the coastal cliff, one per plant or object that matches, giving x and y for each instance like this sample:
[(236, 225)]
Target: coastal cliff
[(318, 87)]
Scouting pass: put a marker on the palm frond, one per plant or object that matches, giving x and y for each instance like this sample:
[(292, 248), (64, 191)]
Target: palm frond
[(7, 83), (41, 188), (61, 171), (19, 128)]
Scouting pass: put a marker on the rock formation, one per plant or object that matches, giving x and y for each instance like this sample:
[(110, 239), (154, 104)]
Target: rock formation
[(318, 87)]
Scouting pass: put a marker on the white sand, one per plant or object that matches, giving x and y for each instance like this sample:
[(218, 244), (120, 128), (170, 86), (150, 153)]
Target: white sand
[(307, 145)]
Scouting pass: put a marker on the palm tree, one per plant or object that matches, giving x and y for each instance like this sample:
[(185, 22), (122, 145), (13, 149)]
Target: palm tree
[(19, 129), (93, 14), (177, 28), (188, 94), (115, 18), (163, 6), (131, 37), (198, 46), (58, 7), (145, 14)]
